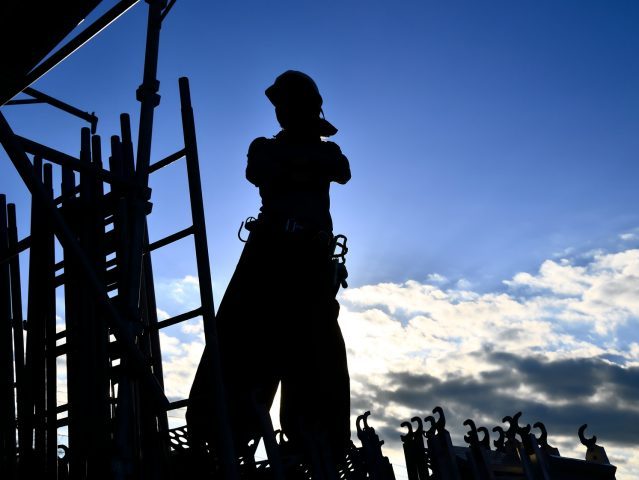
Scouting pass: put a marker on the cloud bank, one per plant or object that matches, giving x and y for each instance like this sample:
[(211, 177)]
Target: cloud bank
[(560, 344)]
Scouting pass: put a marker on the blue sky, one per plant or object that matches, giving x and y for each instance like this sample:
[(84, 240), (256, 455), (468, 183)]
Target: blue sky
[(486, 139)]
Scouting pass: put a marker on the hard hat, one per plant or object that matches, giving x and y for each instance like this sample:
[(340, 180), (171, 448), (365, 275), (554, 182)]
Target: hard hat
[(298, 89)]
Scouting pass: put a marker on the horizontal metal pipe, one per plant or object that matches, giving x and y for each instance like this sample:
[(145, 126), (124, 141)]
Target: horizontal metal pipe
[(54, 102)]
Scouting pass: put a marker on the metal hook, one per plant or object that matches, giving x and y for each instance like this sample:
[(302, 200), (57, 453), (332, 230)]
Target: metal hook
[(239, 233), (246, 223), (485, 441), (440, 424), (588, 442), (499, 443), (522, 431), (362, 418), (513, 427), (409, 434), (420, 426), (431, 430), (335, 242), (472, 438), (543, 436)]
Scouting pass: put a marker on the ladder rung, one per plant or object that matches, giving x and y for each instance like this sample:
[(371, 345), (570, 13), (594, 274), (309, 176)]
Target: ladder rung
[(62, 408), (167, 161), (170, 239), (178, 318), (62, 422), (178, 404), (61, 349), (61, 334)]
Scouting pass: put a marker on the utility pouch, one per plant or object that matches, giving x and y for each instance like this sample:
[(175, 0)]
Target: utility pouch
[(339, 274)]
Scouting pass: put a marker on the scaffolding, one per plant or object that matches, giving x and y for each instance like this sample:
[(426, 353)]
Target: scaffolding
[(115, 409)]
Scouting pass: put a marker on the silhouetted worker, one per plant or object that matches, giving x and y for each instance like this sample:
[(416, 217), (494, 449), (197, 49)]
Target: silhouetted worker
[(278, 318)]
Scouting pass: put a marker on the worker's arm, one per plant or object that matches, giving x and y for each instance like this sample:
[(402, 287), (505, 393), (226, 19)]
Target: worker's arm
[(269, 163), (262, 167)]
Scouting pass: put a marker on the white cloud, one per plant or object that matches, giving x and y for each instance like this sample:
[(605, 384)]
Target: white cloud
[(436, 278), (178, 295), (180, 361), (426, 324), (567, 311)]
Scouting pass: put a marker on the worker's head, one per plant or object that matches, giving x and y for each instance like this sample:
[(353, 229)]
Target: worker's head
[(298, 104)]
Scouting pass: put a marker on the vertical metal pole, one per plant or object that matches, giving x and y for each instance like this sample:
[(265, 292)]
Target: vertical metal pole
[(149, 99), (35, 338), (74, 338), (7, 394), (147, 93), (223, 432), (48, 294), (125, 458), (150, 452), (98, 461), (18, 329)]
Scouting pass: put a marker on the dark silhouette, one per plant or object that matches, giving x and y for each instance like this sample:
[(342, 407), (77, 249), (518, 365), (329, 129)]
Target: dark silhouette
[(277, 321)]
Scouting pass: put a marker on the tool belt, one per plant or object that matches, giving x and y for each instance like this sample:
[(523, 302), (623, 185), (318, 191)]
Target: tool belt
[(286, 227), (335, 244)]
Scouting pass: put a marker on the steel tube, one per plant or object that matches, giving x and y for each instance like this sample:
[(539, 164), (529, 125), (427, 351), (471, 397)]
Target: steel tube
[(120, 329)]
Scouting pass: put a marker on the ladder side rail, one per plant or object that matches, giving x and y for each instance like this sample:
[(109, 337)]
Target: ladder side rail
[(224, 436)]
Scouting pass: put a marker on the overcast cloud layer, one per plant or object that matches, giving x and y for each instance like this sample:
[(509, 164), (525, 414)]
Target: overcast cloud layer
[(560, 344)]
